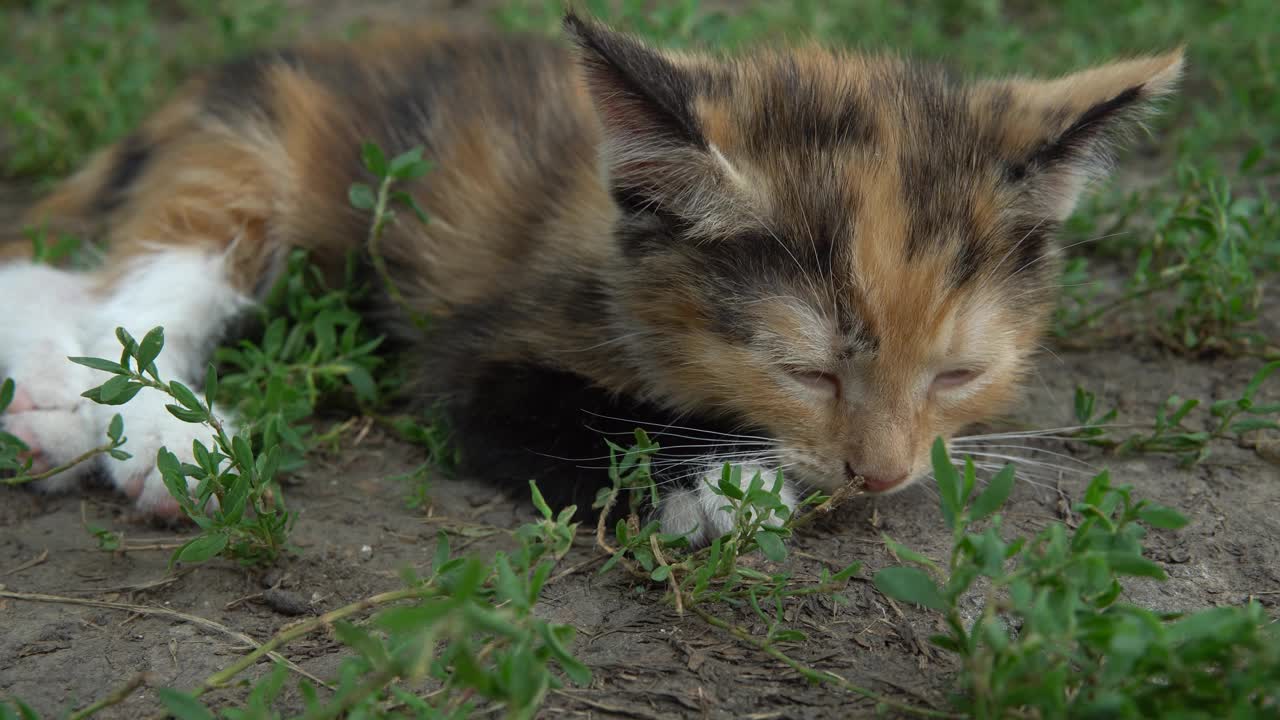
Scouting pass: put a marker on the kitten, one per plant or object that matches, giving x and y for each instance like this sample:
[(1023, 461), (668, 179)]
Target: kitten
[(826, 259)]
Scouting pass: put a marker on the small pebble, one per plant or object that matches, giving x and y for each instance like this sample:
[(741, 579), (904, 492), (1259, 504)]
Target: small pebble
[(366, 552)]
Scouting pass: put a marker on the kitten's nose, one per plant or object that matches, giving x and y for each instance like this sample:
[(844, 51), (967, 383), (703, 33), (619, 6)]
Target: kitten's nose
[(878, 482)]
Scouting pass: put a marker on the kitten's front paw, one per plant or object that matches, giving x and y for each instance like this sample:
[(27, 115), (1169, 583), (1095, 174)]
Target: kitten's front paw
[(148, 426), (49, 416), (699, 513), (54, 437)]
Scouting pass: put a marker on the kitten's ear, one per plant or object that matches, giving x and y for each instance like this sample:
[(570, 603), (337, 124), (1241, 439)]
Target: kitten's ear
[(645, 101), (1065, 131)]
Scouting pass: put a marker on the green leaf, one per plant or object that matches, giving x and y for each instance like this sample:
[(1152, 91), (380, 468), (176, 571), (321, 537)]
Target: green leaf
[(126, 341), (538, 501), (661, 573), (1249, 424), (905, 553), (442, 551), (185, 415), (506, 583), (361, 197), (490, 619), (7, 390), (99, 364), (183, 706), (119, 454), (362, 383), (1123, 563), (243, 453), (115, 428), (1258, 378), (116, 391), (200, 549), (150, 347), (577, 672), (374, 159), (415, 618), (994, 495), (1159, 516), (948, 482), (728, 487), (1084, 402), (847, 573), (184, 395), (771, 545), (911, 585), (408, 165), (362, 642), (233, 502), (210, 385), (1098, 488)]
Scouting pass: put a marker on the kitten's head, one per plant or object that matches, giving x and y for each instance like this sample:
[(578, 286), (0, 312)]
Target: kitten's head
[(854, 253)]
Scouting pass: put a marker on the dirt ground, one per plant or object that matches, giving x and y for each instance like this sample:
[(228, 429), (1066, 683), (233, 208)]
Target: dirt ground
[(356, 533)]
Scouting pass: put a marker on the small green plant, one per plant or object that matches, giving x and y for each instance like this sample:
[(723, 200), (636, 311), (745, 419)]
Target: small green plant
[(315, 351), (762, 522), (462, 641), (1230, 418), (1200, 272), (405, 167), (432, 432), (1052, 638), (237, 503)]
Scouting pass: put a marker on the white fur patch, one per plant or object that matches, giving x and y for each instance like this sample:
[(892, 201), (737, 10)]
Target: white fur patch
[(699, 513), (55, 316)]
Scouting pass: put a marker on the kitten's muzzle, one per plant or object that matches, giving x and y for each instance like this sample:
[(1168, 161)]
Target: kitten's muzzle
[(876, 482)]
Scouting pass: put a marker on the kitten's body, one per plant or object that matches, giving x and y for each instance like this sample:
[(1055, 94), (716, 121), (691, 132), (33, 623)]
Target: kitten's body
[(848, 255)]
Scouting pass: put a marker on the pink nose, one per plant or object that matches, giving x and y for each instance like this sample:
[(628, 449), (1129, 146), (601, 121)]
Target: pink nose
[(878, 482)]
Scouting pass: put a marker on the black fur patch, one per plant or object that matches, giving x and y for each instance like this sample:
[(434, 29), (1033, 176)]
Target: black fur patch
[(964, 266), (240, 87), (127, 165), (1077, 140), (798, 112), (521, 422), (645, 227), (588, 301), (1032, 242)]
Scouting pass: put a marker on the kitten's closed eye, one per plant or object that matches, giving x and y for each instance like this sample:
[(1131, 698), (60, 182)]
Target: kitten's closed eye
[(816, 380), (955, 378)]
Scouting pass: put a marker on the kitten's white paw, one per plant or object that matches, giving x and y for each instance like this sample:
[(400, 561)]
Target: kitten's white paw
[(39, 331), (148, 426), (698, 513), (54, 437)]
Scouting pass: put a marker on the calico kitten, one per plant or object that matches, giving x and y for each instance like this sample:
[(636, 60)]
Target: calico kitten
[(844, 255)]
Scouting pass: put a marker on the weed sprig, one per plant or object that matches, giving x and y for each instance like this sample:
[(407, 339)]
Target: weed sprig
[(315, 351), (1231, 418), (443, 646), (1053, 639), (237, 503)]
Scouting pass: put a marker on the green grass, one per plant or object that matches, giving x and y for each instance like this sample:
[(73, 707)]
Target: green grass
[(77, 75), (1193, 226)]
